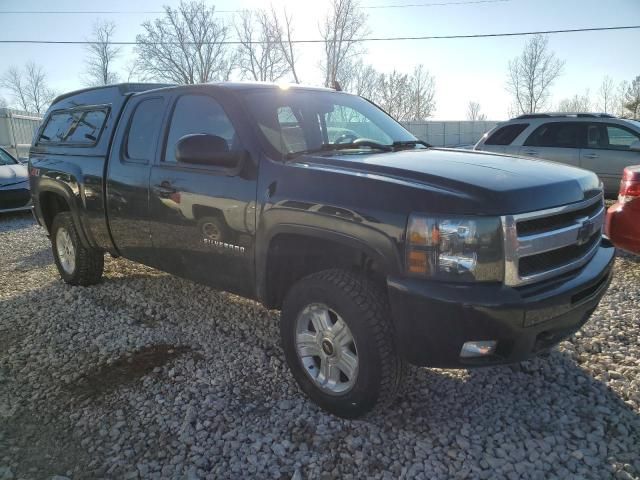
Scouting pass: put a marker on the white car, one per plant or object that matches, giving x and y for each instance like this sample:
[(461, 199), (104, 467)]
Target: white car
[(594, 141)]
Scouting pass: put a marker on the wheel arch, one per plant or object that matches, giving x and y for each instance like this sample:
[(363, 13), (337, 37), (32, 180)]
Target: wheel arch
[(53, 198), (291, 252)]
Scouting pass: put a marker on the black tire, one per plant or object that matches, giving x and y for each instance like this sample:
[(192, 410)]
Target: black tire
[(213, 229), (89, 263), (361, 306)]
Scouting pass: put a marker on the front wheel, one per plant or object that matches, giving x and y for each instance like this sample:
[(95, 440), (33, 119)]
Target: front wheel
[(76, 264), (338, 342)]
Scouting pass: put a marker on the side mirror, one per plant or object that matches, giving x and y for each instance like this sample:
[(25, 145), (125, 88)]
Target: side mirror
[(205, 149), (635, 146)]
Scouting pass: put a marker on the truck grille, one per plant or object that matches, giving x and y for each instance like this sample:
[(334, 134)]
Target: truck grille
[(15, 198), (543, 244)]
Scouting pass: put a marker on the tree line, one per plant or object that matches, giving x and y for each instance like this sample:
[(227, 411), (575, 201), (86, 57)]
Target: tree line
[(191, 44)]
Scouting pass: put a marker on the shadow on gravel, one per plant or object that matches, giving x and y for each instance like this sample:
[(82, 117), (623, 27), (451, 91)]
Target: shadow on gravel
[(10, 222), (40, 258), (127, 369)]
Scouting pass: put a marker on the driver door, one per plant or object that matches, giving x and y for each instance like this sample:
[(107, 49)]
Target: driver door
[(203, 216)]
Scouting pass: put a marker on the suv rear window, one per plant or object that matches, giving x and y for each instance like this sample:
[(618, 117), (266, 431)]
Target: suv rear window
[(80, 127), (507, 134)]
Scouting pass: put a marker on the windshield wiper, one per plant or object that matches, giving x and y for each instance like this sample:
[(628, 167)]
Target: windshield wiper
[(331, 147), (410, 143)]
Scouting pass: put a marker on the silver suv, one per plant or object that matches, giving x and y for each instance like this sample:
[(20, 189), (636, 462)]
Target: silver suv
[(595, 141)]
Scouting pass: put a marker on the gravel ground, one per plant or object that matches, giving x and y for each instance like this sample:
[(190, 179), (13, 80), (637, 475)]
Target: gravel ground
[(150, 376)]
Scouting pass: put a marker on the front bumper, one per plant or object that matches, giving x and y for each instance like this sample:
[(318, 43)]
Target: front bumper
[(433, 319)]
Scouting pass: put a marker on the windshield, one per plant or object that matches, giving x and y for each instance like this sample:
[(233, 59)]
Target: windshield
[(305, 120), (6, 159)]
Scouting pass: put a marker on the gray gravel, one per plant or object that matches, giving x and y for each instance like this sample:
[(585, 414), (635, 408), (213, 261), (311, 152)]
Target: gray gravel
[(150, 376)]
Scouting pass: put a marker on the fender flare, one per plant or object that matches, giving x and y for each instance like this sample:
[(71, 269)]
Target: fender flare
[(64, 191), (378, 246)]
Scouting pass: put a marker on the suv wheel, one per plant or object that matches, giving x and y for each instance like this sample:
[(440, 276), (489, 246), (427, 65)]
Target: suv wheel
[(338, 342), (76, 264)]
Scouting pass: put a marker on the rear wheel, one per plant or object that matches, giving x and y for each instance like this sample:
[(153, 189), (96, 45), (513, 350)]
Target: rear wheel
[(76, 264), (338, 342)]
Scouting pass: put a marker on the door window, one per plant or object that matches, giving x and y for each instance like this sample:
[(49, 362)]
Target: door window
[(619, 138), (292, 133), (144, 126), (557, 134), (198, 114)]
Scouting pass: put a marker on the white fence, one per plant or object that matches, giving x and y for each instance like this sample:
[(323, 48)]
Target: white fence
[(449, 134), (16, 131)]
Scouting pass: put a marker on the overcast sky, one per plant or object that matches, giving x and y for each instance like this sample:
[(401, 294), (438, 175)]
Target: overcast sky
[(464, 69)]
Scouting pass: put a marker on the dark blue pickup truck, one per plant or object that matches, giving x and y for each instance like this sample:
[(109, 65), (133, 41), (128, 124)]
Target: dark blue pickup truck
[(378, 249)]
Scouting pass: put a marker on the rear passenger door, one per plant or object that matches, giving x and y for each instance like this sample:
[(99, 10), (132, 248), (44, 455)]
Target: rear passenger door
[(607, 153), (204, 216), (133, 151), (556, 141)]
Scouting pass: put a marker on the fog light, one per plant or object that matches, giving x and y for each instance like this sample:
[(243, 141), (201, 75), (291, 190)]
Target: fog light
[(478, 348)]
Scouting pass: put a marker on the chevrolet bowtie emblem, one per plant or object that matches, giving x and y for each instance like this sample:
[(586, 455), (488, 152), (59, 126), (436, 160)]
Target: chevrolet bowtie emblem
[(585, 231)]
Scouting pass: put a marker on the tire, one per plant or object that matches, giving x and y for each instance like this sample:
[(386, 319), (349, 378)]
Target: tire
[(76, 264), (355, 301), (213, 229)]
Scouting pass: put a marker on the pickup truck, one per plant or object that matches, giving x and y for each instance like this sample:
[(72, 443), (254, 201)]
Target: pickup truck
[(378, 249)]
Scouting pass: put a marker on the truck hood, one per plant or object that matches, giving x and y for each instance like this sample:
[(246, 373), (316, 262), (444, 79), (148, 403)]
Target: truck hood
[(486, 182), (12, 174)]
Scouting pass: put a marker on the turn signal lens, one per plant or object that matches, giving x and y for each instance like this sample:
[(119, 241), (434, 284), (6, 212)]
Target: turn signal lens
[(418, 262)]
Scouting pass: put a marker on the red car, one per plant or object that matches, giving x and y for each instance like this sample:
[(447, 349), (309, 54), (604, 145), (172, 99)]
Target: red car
[(623, 218)]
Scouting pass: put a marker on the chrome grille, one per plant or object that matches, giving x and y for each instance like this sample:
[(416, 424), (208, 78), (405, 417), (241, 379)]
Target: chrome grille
[(546, 243)]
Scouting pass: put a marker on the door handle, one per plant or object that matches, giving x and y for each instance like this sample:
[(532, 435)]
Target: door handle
[(533, 153), (590, 155), (164, 189)]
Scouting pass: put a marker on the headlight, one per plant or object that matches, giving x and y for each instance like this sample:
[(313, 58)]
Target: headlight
[(455, 248)]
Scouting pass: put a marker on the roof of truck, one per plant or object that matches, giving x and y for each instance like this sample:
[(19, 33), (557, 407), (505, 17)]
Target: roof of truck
[(122, 88)]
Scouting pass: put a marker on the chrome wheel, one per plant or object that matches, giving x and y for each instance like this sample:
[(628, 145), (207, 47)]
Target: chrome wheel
[(326, 349), (65, 250)]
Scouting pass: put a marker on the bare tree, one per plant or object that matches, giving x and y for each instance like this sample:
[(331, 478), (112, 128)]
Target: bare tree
[(260, 54), (38, 92), (473, 112), (185, 46), (343, 26), (607, 95), (632, 98), (531, 75), (29, 87), (361, 79), (407, 97), (14, 81), (101, 54), (3, 103), (575, 104), (620, 109), (422, 89), (286, 43), (394, 95)]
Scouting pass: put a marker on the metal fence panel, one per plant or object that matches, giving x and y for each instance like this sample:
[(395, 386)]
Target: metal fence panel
[(449, 133), (17, 129)]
